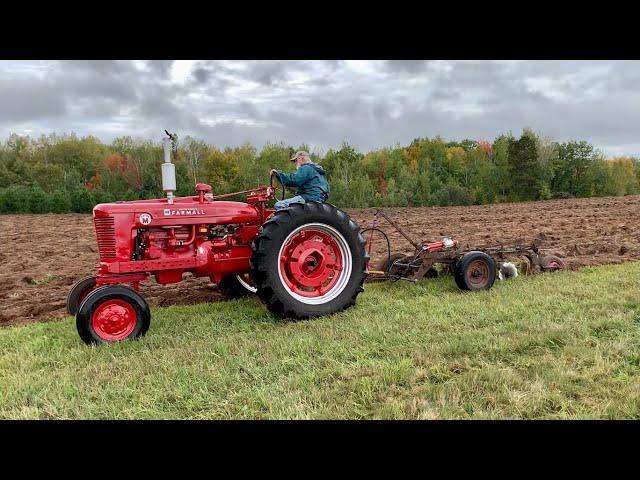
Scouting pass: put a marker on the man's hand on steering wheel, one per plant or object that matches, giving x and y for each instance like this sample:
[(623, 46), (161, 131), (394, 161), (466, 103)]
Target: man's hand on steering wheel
[(273, 174)]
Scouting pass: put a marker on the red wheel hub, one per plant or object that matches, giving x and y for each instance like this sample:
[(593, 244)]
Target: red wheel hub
[(311, 263), (478, 273), (114, 320)]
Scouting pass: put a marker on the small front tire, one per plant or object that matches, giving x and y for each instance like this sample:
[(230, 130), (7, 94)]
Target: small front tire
[(78, 293), (112, 313)]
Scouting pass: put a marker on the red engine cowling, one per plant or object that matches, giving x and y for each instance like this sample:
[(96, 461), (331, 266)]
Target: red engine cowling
[(203, 236)]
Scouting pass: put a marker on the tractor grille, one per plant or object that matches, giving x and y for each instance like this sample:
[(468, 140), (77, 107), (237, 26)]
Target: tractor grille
[(106, 234)]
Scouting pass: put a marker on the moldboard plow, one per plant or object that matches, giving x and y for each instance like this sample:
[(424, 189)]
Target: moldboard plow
[(473, 268)]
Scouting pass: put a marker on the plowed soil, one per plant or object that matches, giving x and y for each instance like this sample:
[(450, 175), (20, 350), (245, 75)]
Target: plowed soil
[(42, 256)]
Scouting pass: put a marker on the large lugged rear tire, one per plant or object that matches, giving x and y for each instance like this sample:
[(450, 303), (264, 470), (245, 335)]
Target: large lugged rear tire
[(309, 260)]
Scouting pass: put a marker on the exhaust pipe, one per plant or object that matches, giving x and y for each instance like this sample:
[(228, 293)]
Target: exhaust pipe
[(168, 170)]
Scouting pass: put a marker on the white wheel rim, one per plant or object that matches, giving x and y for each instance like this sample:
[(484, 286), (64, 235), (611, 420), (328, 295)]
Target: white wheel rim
[(345, 274)]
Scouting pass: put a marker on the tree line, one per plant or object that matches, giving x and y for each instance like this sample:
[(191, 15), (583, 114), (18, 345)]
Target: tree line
[(65, 173)]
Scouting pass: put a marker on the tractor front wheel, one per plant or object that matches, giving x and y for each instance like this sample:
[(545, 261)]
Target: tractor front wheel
[(78, 292), (475, 271), (309, 260), (112, 313)]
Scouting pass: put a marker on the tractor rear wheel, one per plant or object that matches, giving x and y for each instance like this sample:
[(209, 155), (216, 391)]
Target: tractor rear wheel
[(112, 313), (475, 271), (237, 286), (78, 292), (309, 260)]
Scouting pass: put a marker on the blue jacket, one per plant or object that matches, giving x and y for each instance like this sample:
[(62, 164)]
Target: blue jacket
[(311, 181)]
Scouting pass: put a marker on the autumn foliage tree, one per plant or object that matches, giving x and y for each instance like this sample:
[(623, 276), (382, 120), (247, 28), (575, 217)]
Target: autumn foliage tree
[(62, 173)]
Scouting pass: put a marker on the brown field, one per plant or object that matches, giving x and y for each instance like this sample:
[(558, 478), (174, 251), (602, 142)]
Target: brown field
[(43, 255)]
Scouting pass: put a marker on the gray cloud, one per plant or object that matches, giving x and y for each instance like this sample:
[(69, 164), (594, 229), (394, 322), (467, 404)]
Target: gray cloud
[(161, 67), (201, 74), (267, 73), (370, 104), (407, 66), (29, 99)]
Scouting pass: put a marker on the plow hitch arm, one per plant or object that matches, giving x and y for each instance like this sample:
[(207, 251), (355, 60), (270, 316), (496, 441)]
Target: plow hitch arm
[(381, 212)]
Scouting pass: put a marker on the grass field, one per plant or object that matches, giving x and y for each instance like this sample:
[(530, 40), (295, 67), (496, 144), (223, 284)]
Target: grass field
[(563, 345)]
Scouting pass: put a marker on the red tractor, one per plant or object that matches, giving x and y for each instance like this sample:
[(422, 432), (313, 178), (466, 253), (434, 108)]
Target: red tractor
[(304, 261)]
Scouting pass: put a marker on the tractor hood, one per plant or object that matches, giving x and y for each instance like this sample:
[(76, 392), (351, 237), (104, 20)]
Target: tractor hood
[(183, 210)]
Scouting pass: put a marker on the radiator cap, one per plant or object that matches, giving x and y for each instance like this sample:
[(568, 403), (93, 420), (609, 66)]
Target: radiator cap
[(203, 187)]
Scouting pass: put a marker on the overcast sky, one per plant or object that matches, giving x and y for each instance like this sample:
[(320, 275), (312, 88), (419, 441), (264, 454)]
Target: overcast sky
[(370, 104)]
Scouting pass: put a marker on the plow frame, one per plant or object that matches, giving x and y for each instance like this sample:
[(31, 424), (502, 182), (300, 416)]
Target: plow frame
[(417, 266)]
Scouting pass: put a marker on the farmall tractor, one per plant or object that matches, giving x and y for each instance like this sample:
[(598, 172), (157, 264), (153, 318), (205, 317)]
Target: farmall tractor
[(304, 261)]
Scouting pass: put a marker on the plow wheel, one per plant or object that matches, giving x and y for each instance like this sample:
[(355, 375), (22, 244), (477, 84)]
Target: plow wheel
[(309, 260), (237, 286), (551, 263), (78, 292), (112, 313), (387, 264), (475, 271)]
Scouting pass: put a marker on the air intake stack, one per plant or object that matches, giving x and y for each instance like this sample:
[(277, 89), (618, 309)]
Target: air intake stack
[(168, 169)]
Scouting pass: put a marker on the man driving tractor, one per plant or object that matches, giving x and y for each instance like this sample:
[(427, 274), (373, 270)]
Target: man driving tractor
[(309, 178)]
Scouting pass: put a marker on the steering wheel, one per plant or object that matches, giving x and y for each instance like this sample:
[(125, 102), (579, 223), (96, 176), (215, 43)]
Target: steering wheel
[(282, 184)]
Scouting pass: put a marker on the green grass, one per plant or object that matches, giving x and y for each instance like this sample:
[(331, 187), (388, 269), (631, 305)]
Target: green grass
[(48, 278), (564, 345)]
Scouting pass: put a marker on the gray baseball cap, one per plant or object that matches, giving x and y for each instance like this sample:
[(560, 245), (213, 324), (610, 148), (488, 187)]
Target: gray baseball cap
[(299, 153)]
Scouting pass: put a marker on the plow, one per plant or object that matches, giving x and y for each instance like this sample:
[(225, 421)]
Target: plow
[(473, 268)]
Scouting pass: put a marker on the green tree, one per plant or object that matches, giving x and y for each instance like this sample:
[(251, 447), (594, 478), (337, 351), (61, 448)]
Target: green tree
[(452, 194), (37, 201), (81, 201), (68, 173), (195, 153), (523, 158), (623, 180), (60, 202), (573, 163), (547, 160)]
